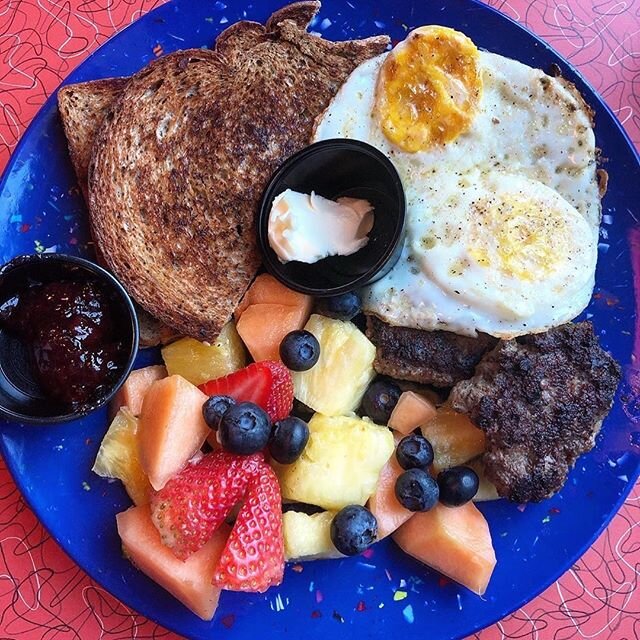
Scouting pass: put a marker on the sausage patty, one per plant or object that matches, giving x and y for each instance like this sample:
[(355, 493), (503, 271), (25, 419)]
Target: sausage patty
[(540, 399)]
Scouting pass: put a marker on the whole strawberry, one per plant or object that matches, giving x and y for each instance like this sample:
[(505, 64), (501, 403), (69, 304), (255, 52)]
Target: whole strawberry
[(253, 558), (195, 502)]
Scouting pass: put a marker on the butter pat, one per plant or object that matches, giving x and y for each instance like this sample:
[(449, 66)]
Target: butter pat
[(307, 227)]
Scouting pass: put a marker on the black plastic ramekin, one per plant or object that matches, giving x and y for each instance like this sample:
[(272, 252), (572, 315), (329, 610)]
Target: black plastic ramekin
[(21, 398), (336, 168)]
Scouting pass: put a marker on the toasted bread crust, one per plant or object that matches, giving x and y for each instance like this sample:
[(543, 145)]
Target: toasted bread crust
[(83, 107), (300, 13), (181, 161)]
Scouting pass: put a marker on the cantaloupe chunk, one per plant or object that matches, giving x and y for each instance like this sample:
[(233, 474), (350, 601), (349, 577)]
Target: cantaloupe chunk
[(384, 505), (265, 289), (411, 411), (454, 438), (171, 429), (263, 326), (189, 581), (455, 541), (132, 392)]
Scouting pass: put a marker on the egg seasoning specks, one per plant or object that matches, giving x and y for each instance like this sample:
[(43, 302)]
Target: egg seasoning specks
[(503, 207)]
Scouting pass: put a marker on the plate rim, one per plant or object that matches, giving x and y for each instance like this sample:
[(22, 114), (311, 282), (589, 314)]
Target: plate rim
[(42, 113)]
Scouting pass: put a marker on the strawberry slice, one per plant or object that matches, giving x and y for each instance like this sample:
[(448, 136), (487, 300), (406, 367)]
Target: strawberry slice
[(279, 404), (253, 558), (245, 385), (195, 502), (267, 384)]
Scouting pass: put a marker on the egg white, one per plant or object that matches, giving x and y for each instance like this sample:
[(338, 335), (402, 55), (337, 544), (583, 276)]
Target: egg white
[(533, 135)]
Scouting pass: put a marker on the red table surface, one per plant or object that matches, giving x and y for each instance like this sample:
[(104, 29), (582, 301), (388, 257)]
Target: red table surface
[(43, 594)]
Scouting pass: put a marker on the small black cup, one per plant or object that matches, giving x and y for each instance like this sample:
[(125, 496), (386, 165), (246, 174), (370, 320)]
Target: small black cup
[(336, 168), (21, 398)]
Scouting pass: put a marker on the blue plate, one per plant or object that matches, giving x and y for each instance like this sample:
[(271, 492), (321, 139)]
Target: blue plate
[(41, 209)]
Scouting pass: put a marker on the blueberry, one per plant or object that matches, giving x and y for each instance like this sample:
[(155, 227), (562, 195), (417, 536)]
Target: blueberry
[(353, 529), (288, 440), (457, 485), (342, 307), (416, 490), (214, 408), (379, 400), (245, 428), (299, 350), (414, 452)]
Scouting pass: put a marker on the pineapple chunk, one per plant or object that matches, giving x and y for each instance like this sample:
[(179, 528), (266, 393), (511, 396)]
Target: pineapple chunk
[(200, 362), (308, 537), (118, 457), (336, 383), (486, 489), (340, 464), (454, 438)]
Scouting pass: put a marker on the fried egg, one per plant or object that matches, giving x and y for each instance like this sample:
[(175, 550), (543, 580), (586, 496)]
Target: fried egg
[(428, 89), (498, 162)]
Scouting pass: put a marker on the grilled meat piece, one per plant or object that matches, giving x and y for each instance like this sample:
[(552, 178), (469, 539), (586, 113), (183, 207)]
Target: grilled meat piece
[(540, 399), (439, 358)]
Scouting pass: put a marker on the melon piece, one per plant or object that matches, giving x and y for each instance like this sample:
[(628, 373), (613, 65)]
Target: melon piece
[(308, 537), (340, 464), (265, 289), (189, 581), (200, 362), (132, 392), (118, 457), (411, 411), (384, 505), (454, 438), (263, 326), (454, 541), (172, 428)]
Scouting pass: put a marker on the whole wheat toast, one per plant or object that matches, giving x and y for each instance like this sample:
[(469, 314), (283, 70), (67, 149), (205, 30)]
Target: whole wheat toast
[(183, 156), (82, 108)]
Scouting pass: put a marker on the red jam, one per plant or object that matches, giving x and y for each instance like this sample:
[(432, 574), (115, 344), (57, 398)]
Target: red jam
[(71, 335)]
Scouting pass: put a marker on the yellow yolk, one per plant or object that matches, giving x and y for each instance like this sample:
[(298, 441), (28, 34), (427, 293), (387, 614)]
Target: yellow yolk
[(428, 88), (529, 243)]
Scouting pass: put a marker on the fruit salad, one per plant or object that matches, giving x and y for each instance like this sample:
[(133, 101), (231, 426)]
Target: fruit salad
[(279, 443)]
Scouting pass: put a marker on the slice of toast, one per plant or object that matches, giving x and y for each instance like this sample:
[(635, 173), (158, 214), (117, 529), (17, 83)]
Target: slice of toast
[(183, 156), (82, 108)]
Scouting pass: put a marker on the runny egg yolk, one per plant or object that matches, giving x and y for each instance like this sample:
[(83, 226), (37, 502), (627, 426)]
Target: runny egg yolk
[(428, 89)]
